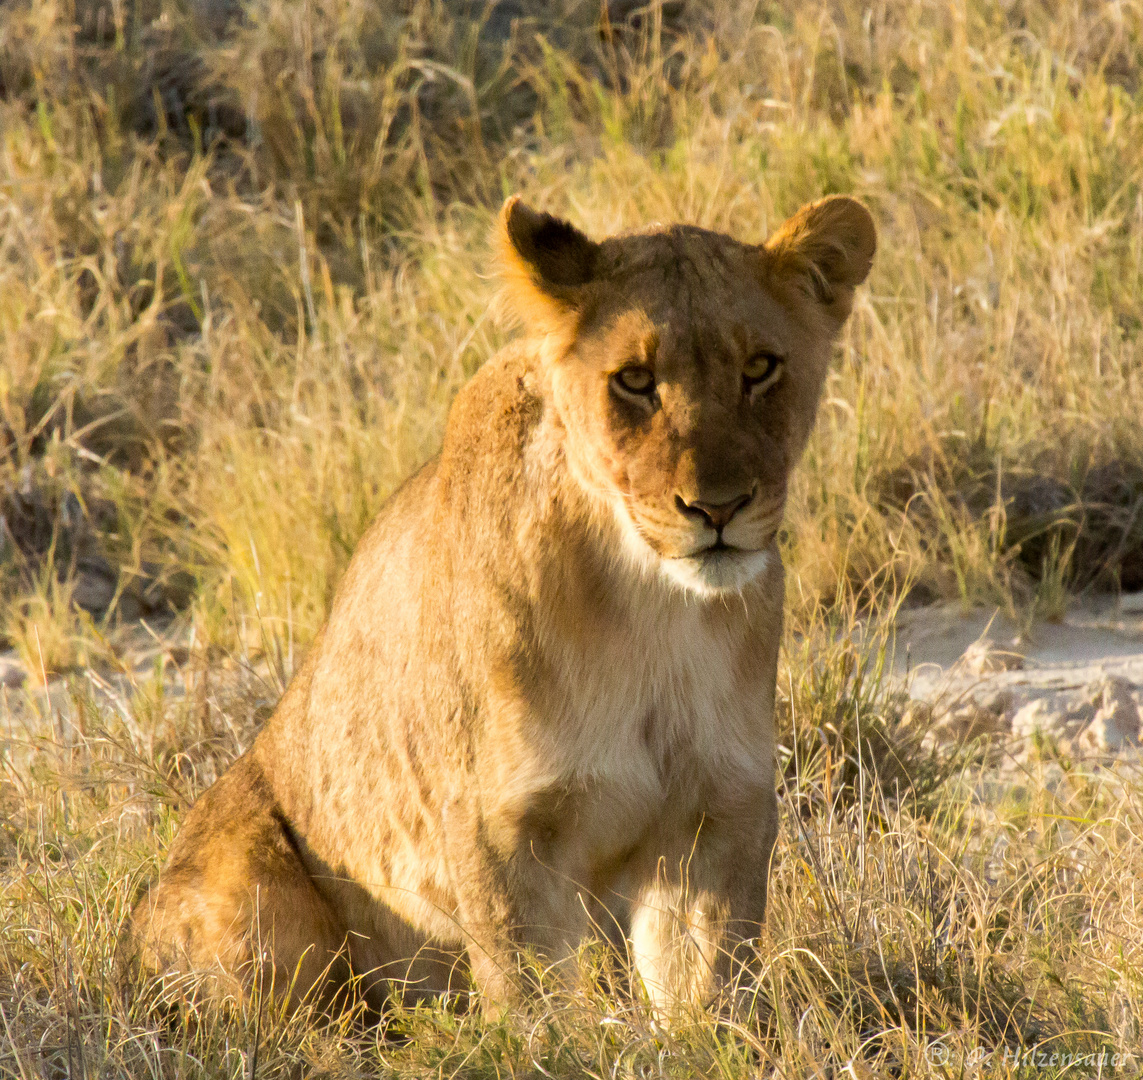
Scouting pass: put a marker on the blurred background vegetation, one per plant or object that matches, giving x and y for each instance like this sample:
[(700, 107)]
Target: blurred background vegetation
[(244, 267)]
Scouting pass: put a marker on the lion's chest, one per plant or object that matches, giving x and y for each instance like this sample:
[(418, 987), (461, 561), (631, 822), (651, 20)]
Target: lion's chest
[(640, 731)]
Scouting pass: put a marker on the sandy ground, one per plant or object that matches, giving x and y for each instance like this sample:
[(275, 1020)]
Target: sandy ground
[(936, 637), (1078, 682)]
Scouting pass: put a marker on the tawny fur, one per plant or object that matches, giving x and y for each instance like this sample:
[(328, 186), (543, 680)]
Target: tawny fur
[(542, 704)]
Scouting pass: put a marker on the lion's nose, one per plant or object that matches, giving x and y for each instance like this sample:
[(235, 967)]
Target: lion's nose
[(716, 515)]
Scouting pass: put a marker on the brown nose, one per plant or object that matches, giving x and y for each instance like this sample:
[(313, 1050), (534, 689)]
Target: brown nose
[(716, 515)]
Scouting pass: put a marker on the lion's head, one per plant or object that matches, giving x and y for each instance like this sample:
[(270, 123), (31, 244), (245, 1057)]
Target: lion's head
[(686, 367)]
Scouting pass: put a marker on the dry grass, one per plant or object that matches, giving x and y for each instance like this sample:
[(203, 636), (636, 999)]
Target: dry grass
[(903, 918), (243, 270)]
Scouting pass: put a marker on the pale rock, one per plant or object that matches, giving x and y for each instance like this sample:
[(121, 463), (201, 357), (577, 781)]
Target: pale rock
[(1051, 716), (998, 700), (1035, 715), (1116, 724)]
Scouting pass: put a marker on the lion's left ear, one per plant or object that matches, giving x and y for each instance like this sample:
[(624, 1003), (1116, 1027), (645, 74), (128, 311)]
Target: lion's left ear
[(546, 264), (830, 243)]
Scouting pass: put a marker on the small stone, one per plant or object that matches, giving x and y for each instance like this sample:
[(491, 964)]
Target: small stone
[(1051, 716), (1116, 724), (1112, 691), (1032, 716), (997, 701)]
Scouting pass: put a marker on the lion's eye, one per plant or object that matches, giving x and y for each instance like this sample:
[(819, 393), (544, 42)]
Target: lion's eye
[(634, 380), (762, 371)]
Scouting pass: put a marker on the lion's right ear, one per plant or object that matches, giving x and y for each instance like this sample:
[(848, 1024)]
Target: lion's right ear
[(546, 263)]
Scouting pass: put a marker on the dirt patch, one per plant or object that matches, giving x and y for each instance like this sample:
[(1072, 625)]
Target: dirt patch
[(1072, 689)]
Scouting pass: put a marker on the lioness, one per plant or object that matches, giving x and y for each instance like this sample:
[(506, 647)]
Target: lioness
[(542, 704)]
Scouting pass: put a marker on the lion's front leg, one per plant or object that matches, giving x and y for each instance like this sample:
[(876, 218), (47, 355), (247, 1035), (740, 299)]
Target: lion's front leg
[(676, 936), (523, 937), (519, 908), (693, 927)]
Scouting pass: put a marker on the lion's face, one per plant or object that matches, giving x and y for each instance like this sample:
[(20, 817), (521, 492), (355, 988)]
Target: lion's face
[(686, 369)]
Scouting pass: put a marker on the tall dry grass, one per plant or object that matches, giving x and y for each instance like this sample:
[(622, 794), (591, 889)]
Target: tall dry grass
[(235, 365), (244, 268)]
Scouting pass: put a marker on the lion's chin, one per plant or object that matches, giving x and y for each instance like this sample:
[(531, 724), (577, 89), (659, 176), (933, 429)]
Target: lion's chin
[(717, 571), (713, 572)]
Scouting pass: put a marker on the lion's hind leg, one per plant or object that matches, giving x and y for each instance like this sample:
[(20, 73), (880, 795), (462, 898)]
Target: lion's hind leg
[(234, 907)]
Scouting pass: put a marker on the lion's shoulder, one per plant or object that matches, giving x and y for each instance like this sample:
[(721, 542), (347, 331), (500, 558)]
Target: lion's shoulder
[(491, 421)]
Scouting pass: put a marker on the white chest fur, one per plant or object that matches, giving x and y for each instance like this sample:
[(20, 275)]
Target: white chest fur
[(657, 700)]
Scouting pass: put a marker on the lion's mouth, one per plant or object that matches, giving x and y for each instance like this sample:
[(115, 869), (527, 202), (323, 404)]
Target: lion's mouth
[(719, 548), (722, 550)]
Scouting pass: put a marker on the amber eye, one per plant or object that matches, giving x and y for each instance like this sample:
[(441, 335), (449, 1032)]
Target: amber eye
[(762, 371), (634, 380)]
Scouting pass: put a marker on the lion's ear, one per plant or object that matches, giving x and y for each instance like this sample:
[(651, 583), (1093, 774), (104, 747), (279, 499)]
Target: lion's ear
[(546, 263), (830, 243)]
